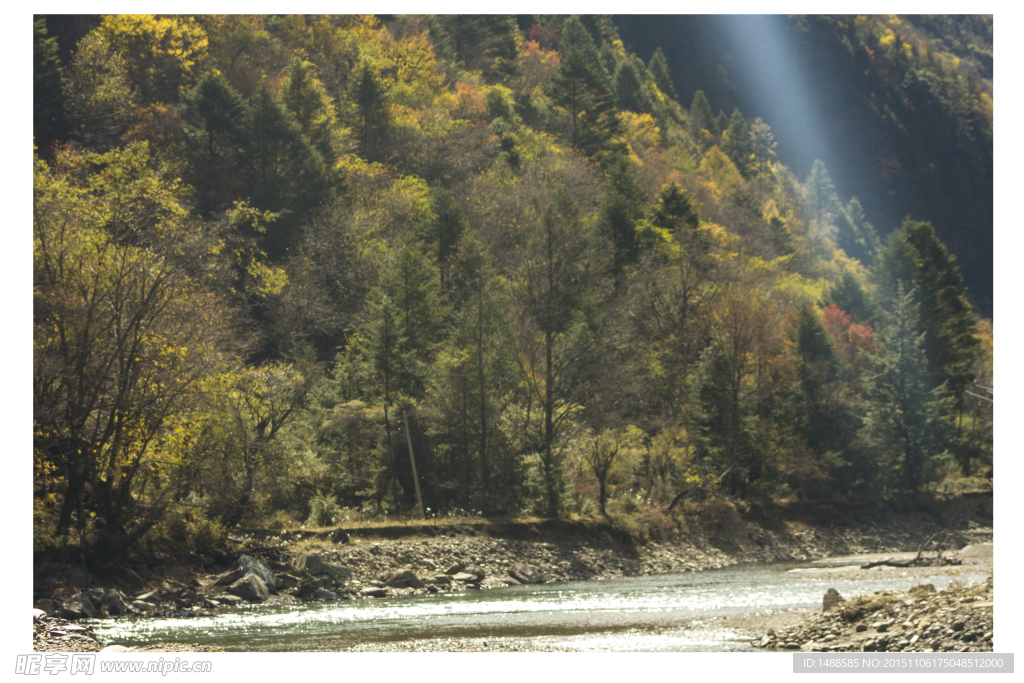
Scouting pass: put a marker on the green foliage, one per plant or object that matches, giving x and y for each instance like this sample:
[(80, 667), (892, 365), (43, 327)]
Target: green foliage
[(214, 117), (307, 100), (484, 42), (49, 118), (186, 531), (621, 209), (581, 92), (658, 68), (370, 113), (116, 310), (323, 511), (282, 170), (275, 249), (905, 413), (629, 89), (101, 97), (914, 257), (701, 118), (738, 144), (161, 54)]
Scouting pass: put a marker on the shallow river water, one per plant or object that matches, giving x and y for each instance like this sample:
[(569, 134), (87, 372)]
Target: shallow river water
[(670, 612)]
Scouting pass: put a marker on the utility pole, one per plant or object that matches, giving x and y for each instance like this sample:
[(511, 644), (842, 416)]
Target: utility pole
[(415, 477)]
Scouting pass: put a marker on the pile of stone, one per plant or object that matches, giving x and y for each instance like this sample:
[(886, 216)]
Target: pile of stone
[(921, 619), (53, 634), (87, 604)]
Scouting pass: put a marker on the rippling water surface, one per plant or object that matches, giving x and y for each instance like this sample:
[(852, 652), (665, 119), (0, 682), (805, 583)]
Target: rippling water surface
[(667, 612)]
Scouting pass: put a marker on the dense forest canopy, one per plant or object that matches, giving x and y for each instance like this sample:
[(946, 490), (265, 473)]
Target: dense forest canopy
[(276, 257), (899, 108)]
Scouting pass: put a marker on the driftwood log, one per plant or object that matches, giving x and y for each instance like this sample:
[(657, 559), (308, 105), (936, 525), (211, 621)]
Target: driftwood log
[(918, 560)]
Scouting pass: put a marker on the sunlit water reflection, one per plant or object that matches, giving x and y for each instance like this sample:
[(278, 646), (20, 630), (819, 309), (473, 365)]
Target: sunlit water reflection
[(667, 612)]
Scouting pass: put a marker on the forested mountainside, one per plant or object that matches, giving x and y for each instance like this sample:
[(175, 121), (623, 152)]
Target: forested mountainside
[(899, 108), (277, 258)]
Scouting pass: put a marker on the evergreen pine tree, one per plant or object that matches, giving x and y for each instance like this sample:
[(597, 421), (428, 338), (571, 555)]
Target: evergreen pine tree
[(580, 88), (737, 145), (49, 119), (701, 117), (906, 414), (914, 255), (371, 113), (658, 68), (621, 208)]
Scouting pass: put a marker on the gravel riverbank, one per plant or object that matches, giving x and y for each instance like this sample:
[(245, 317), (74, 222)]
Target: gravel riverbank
[(563, 551)]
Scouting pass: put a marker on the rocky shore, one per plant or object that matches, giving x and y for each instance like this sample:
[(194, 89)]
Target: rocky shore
[(375, 563), (922, 619)]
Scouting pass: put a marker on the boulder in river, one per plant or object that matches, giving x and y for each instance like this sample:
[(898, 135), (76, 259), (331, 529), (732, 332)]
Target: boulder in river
[(253, 565), (250, 587), (116, 602), (228, 577), (78, 606)]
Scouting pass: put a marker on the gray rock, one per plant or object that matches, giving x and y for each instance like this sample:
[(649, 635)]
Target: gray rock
[(79, 577), (307, 562), (251, 588), (253, 565), (336, 572), (229, 599), (324, 594), (38, 615), (155, 596), (831, 600), (465, 577), (229, 577), (115, 648), (440, 579), (143, 606), (285, 581), (320, 582), (115, 601), (404, 579), (525, 573), (78, 606), (976, 552), (372, 592)]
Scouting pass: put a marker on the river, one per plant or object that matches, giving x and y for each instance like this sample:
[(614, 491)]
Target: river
[(670, 612)]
